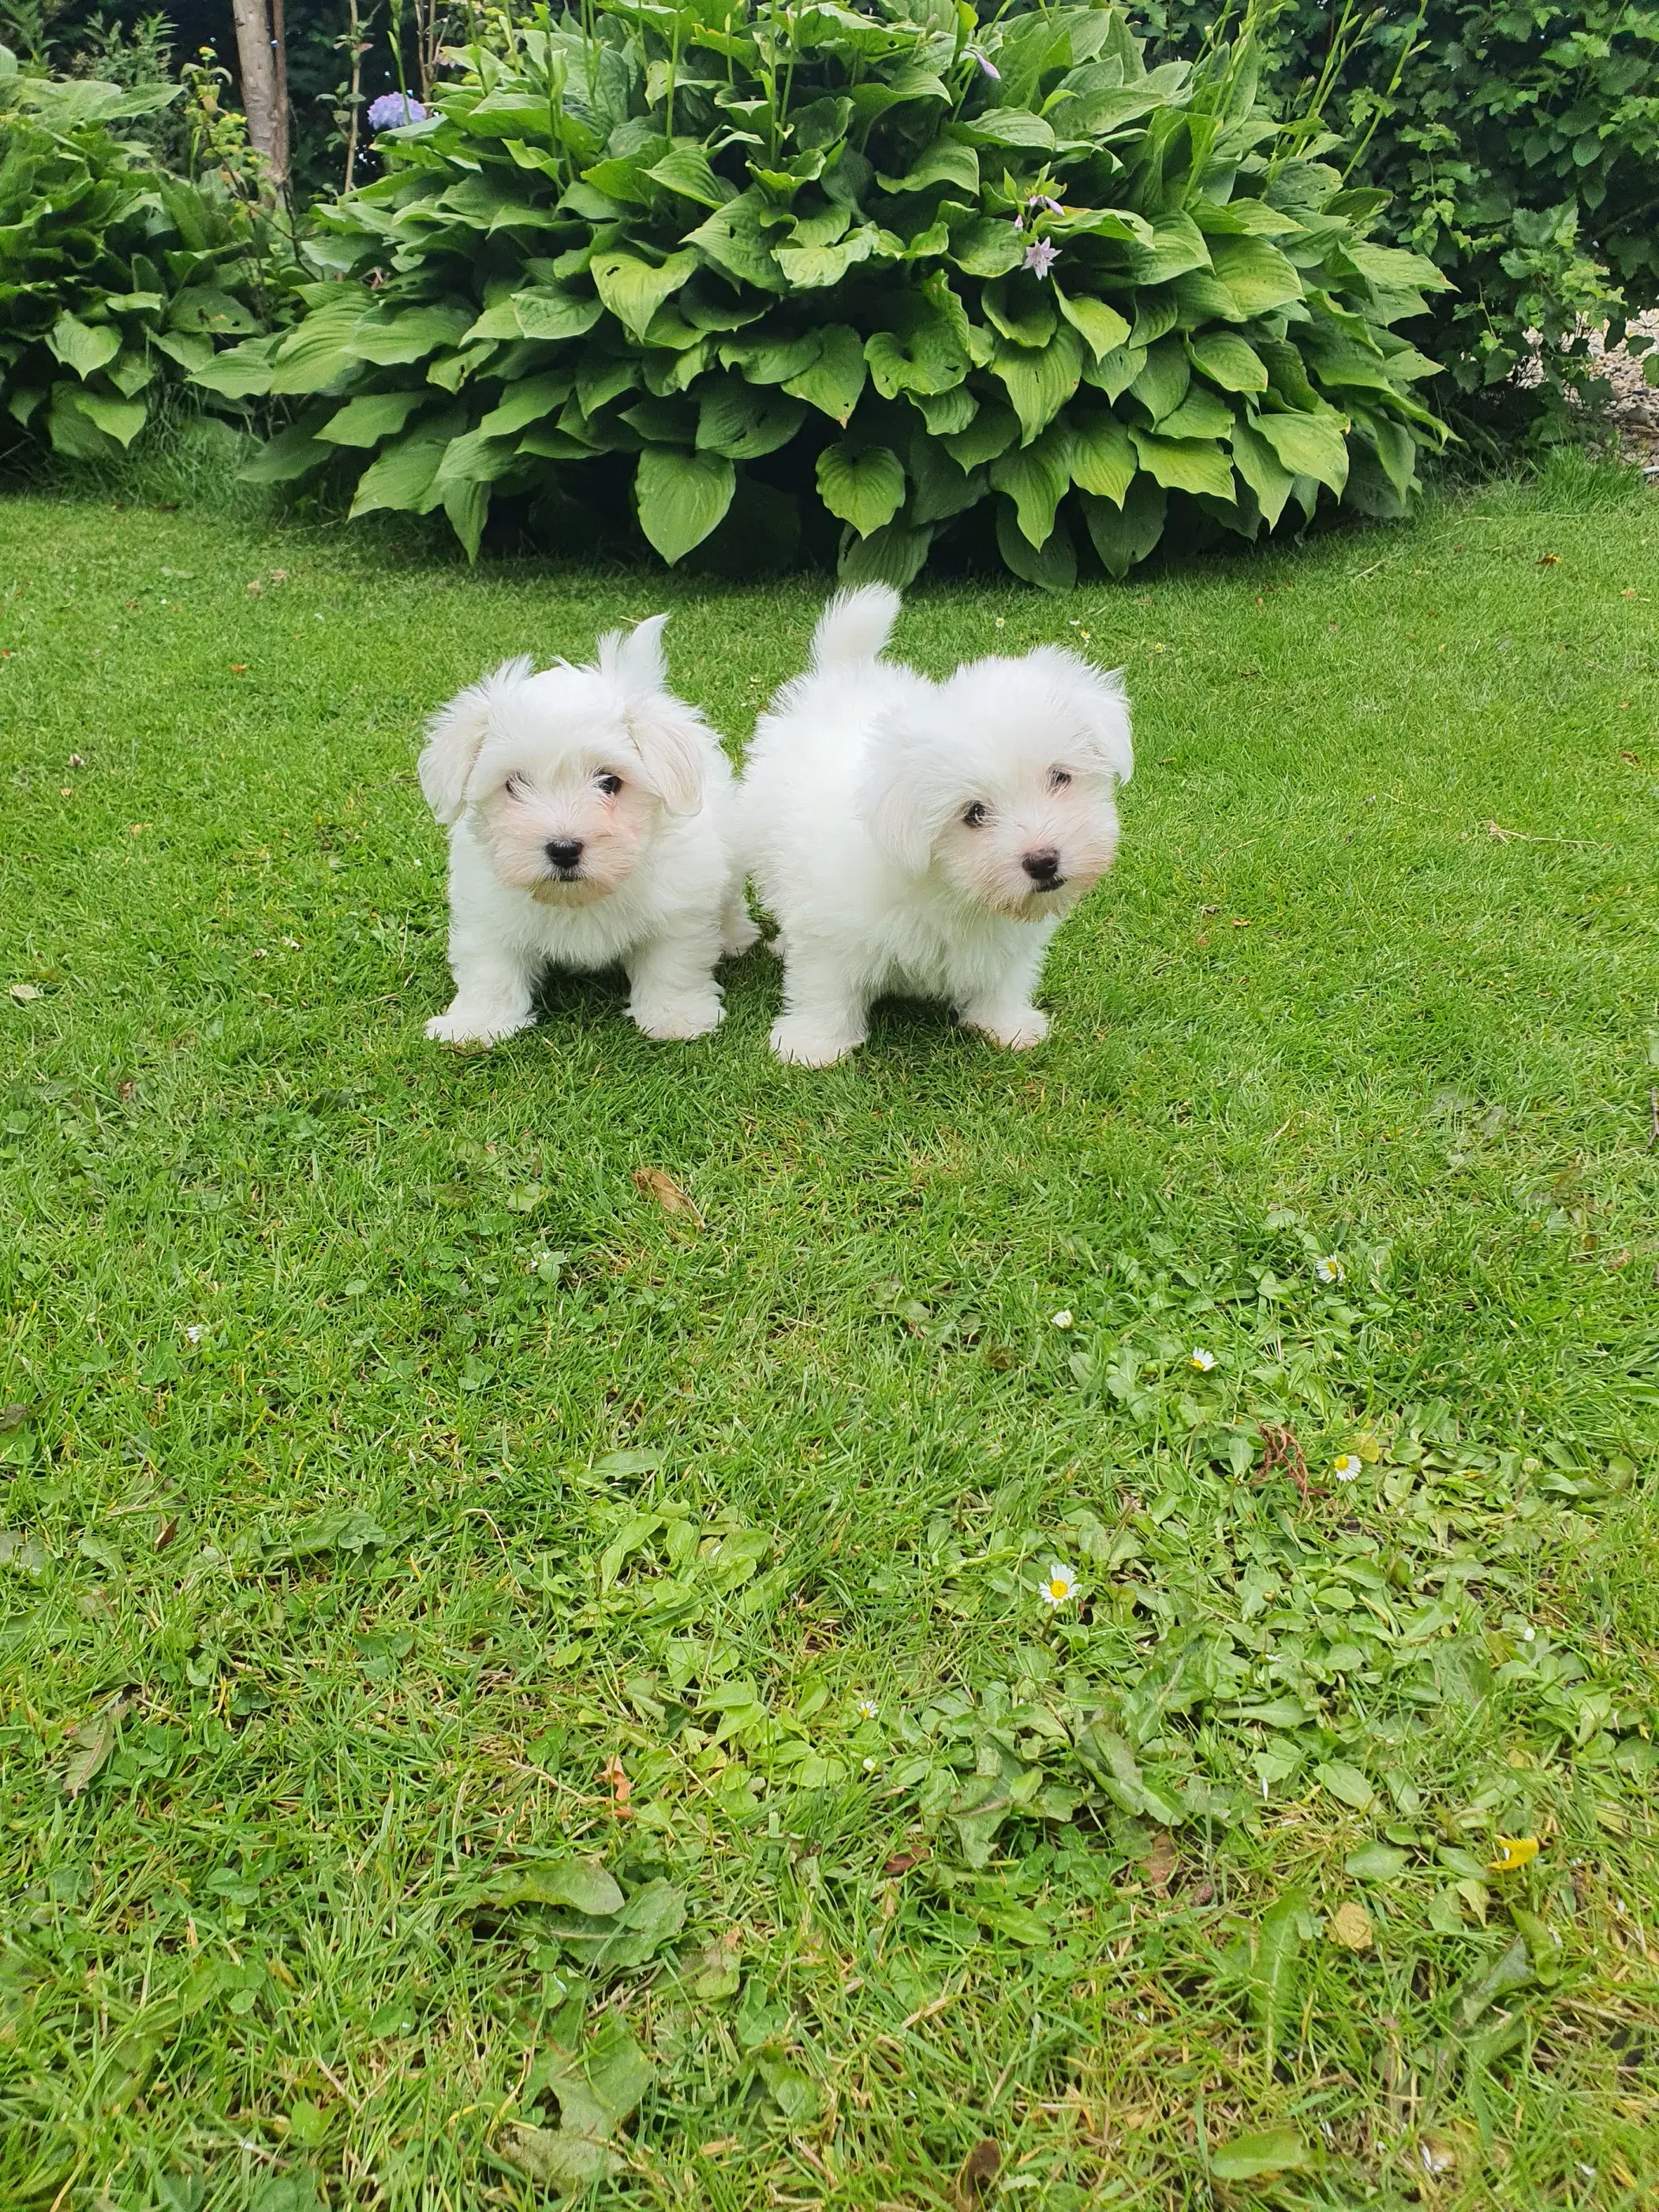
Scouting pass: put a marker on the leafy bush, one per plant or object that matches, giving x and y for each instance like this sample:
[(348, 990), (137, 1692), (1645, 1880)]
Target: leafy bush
[(1520, 145), (807, 271), (113, 274)]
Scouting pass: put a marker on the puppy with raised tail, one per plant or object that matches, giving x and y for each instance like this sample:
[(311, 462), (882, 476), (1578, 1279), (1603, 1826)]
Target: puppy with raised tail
[(926, 838), (590, 818)]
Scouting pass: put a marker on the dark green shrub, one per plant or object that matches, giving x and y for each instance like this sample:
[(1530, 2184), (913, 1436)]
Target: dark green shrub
[(1520, 145), (114, 276), (812, 268)]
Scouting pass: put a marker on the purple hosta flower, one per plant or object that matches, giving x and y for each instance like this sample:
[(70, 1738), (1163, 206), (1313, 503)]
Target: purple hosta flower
[(974, 54), (1040, 256), (1052, 206), (393, 110)]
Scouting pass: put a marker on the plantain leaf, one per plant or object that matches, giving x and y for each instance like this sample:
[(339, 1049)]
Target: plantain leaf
[(681, 497), (1275, 1974), (863, 485)]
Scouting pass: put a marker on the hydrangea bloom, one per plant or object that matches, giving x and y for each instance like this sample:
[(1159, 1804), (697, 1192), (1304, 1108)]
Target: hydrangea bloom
[(393, 110)]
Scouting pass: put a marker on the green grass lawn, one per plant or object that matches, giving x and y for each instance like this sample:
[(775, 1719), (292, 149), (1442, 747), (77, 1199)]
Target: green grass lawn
[(505, 1683)]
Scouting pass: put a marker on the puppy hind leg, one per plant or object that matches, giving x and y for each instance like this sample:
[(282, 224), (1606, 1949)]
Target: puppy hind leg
[(738, 928), (674, 994), (494, 997), (825, 1016)]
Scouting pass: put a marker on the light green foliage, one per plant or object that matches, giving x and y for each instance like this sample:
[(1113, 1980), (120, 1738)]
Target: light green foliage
[(941, 267), (116, 278), (323, 1628)]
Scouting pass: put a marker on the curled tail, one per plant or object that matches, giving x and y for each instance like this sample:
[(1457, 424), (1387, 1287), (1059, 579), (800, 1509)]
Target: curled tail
[(854, 629)]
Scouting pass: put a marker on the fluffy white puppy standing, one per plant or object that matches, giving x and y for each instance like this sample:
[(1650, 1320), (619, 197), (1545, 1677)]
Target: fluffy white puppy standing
[(926, 838), (590, 817)]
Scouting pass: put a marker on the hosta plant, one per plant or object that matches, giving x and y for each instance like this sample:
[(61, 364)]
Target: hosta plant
[(114, 276), (876, 277)]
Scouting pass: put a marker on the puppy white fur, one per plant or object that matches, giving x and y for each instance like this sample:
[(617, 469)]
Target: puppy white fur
[(925, 838), (591, 816)]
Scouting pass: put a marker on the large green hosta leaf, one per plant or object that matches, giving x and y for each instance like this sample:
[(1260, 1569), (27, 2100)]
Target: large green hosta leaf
[(1308, 445), (863, 485), (1186, 464), (1040, 384), (1125, 534), (833, 380), (680, 496), (634, 290), (1036, 477)]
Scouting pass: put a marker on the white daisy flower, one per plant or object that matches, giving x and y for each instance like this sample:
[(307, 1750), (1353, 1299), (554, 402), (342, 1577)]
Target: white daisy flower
[(1060, 1584), (867, 1708), (1203, 1361), (1329, 1269), (1347, 1466), (1063, 1318), (194, 1334)]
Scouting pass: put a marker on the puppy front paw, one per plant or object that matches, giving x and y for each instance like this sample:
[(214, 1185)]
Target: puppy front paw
[(474, 1025), (1015, 1028), (667, 1021), (802, 1044)]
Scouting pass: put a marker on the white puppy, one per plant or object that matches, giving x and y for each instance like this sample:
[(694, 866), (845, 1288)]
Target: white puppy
[(590, 818), (925, 838)]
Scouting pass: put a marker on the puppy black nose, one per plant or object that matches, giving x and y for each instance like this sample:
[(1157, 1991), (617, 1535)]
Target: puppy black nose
[(1043, 867), (563, 852)]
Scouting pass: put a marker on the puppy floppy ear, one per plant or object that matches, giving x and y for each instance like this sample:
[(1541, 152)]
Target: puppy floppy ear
[(900, 810), (1090, 707), (456, 733), (668, 736)]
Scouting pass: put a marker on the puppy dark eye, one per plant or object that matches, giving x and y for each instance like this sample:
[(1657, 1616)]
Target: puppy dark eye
[(1059, 778), (974, 817), (609, 784)]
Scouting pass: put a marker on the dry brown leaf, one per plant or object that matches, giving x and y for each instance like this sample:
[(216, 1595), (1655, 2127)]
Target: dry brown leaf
[(1350, 1926), (1159, 1862), (614, 1777), (979, 2170), (902, 1861), (666, 1191)]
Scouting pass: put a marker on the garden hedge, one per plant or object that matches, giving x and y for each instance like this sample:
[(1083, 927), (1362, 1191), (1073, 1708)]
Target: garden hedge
[(1520, 148), (889, 279)]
